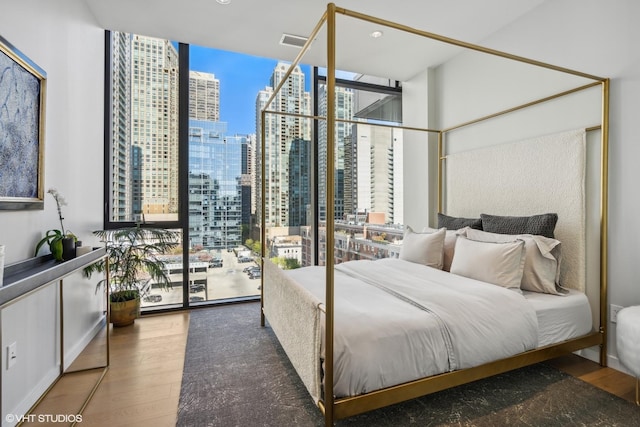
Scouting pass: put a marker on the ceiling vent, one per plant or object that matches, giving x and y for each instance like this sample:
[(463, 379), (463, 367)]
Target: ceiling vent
[(291, 40)]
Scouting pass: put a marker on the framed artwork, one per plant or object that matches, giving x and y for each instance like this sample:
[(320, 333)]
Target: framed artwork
[(22, 105)]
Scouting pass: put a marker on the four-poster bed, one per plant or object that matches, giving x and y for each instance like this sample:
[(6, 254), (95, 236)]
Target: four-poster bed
[(318, 321)]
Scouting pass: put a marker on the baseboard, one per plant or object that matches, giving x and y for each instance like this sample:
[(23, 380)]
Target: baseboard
[(613, 362), (71, 355), (9, 417)]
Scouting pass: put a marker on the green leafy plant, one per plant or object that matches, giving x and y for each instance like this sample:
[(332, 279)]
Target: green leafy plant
[(286, 263), (132, 258), (54, 238)]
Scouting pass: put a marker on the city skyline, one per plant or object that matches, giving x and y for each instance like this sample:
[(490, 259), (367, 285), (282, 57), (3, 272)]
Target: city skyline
[(241, 78), (226, 93), (145, 153)]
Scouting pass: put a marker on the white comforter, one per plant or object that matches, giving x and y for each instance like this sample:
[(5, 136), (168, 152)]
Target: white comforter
[(397, 321)]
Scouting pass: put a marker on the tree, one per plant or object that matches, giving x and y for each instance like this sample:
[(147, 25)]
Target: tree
[(291, 263), (286, 263)]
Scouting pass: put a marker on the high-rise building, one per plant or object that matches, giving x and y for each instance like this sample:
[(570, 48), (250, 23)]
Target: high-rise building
[(121, 154), (299, 180), (373, 172), (350, 175), (204, 96), (248, 180), (144, 158), (154, 126), (282, 133), (344, 111), (215, 188), (220, 178)]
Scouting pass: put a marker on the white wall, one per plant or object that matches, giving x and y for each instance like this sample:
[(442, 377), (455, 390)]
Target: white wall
[(31, 324), (599, 38), (420, 154), (63, 39)]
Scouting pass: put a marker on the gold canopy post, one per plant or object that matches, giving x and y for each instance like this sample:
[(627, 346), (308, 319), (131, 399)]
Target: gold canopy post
[(440, 169), (337, 408), (263, 212), (331, 123), (604, 219), (263, 180)]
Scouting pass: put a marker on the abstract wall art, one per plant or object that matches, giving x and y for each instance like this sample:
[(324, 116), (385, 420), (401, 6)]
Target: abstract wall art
[(22, 101)]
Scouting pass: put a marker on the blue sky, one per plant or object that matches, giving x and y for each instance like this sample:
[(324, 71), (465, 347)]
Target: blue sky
[(241, 78)]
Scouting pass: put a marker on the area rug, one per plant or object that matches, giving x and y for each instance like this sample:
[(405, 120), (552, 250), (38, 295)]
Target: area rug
[(236, 374)]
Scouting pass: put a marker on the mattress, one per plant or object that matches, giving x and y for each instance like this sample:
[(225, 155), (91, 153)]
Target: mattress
[(397, 321), (560, 317)]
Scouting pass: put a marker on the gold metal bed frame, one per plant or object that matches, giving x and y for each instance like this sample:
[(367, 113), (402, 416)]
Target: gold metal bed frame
[(337, 408)]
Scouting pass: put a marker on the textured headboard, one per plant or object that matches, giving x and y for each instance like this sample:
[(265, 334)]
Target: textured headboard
[(533, 176)]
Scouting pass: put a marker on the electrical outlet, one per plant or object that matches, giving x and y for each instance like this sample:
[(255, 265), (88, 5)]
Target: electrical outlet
[(614, 312), (12, 354)]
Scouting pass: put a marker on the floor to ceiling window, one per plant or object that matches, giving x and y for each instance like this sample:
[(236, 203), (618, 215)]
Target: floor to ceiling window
[(368, 167), (142, 146), (368, 171), (183, 150), (226, 94)]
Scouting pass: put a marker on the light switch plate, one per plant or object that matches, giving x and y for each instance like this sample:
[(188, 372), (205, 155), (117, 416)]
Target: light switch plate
[(614, 312), (12, 354)]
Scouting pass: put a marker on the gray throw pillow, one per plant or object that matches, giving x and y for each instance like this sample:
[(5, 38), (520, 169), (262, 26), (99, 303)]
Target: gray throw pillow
[(455, 223), (540, 225)]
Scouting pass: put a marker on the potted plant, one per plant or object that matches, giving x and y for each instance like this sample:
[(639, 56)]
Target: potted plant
[(132, 258), (62, 243)]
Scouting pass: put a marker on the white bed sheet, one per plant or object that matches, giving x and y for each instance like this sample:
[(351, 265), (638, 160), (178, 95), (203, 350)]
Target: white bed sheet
[(484, 322), (560, 317), (556, 318)]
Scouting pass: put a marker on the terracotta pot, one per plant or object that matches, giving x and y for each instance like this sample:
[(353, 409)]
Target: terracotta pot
[(124, 313)]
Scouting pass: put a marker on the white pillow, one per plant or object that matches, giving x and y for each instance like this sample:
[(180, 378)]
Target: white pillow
[(449, 244), (542, 259), (498, 263), (423, 248)]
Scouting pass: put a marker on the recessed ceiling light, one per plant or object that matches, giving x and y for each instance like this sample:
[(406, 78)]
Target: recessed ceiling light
[(376, 34), (224, 1)]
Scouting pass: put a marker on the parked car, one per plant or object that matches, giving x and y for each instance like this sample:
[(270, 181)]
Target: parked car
[(196, 299), (255, 274), (215, 263), (152, 298), (251, 267), (196, 287), (244, 259)]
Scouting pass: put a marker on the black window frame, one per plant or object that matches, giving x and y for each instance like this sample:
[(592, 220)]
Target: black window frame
[(182, 223), (319, 79)]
